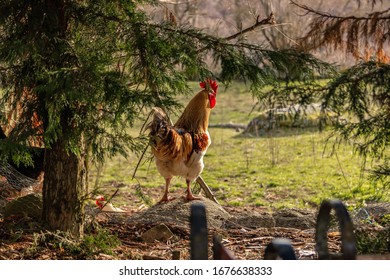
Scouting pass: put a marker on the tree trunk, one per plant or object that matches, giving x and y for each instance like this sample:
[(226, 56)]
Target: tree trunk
[(64, 188), (65, 178)]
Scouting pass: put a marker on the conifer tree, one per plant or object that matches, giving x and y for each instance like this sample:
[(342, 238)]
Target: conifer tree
[(80, 72), (361, 93)]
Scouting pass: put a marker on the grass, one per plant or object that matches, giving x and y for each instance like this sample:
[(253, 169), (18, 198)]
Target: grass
[(100, 242), (291, 168), (372, 240)]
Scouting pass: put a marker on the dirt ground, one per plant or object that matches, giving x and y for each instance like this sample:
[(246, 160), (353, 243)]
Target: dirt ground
[(245, 231)]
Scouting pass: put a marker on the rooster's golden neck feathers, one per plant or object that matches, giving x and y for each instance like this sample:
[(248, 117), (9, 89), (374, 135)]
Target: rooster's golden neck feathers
[(195, 117)]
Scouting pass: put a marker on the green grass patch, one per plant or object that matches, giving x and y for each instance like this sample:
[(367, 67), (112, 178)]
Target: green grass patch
[(372, 240), (101, 241)]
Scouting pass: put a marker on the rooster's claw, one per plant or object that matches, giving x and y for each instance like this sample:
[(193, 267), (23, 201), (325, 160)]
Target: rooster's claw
[(166, 199)]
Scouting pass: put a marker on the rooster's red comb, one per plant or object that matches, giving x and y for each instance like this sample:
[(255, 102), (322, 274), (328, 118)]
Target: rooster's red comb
[(207, 84)]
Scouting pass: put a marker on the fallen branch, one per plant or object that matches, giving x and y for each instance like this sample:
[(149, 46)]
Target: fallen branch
[(209, 194)]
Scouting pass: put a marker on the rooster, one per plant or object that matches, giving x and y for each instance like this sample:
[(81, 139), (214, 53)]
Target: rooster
[(179, 149)]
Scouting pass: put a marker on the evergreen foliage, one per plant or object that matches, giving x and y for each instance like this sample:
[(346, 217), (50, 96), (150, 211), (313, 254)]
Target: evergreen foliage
[(101, 62), (76, 74), (360, 95)]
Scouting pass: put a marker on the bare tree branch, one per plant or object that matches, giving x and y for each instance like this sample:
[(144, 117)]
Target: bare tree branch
[(270, 20), (310, 10)]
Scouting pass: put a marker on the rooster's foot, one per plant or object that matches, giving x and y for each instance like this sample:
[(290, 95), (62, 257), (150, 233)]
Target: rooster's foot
[(166, 199), (191, 197)]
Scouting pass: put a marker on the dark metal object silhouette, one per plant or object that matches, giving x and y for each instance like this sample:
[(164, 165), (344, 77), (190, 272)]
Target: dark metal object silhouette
[(279, 248), (220, 252), (348, 244), (198, 238)]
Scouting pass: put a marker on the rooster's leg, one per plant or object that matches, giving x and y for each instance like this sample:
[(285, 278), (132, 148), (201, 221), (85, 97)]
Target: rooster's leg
[(165, 197), (190, 196)]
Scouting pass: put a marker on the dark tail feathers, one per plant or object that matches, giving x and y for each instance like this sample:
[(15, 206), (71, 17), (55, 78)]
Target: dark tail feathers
[(159, 126)]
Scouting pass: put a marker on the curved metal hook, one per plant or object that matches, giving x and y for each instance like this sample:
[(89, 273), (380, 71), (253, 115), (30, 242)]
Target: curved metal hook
[(348, 244)]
